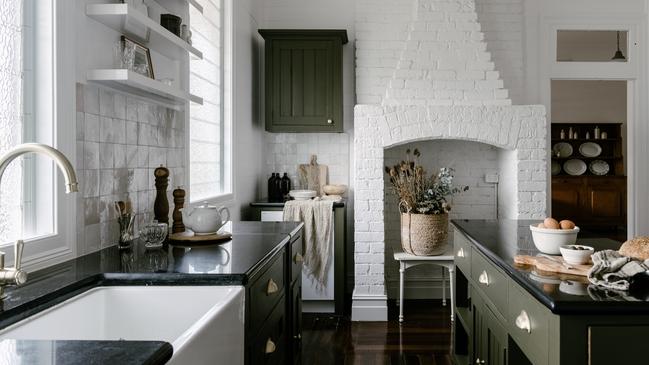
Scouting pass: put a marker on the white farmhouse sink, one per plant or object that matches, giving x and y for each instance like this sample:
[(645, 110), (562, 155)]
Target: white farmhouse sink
[(204, 324)]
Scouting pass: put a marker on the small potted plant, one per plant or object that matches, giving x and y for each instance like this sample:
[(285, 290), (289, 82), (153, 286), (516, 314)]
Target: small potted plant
[(423, 204)]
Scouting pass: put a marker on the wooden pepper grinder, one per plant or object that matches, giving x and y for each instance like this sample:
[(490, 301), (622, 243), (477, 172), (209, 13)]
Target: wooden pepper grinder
[(161, 204), (179, 203)]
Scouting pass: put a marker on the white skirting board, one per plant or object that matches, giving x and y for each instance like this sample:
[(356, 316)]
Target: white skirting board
[(369, 308)]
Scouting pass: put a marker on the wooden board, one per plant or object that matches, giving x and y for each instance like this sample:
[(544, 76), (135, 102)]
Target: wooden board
[(313, 176), (549, 265), (180, 239)]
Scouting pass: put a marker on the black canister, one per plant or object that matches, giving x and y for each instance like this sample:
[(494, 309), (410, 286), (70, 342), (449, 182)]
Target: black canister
[(277, 188), (171, 23), (271, 187), (285, 186)]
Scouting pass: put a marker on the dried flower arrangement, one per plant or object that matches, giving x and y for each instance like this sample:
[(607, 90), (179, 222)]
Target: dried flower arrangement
[(419, 193)]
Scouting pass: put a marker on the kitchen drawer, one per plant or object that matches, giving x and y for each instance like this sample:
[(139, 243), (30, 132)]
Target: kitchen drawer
[(528, 324), (296, 258), (269, 346), (462, 249), (267, 290), (491, 281)]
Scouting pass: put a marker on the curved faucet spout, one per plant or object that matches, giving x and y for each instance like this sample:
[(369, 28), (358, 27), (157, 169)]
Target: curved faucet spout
[(71, 183)]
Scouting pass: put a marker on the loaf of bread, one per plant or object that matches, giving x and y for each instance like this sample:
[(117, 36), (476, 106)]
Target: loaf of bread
[(638, 248)]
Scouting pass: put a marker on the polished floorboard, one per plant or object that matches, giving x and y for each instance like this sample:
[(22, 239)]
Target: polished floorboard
[(424, 338)]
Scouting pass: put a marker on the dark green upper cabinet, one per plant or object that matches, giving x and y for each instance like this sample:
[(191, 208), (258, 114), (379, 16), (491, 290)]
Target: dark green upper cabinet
[(304, 80)]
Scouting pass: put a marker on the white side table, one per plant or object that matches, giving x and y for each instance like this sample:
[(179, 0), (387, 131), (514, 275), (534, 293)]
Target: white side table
[(445, 260)]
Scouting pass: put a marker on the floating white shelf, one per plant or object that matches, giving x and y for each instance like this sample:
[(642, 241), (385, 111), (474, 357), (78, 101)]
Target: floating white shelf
[(134, 83), (115, 16)]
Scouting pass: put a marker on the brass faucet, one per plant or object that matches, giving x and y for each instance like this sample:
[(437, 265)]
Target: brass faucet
[(15, 275)]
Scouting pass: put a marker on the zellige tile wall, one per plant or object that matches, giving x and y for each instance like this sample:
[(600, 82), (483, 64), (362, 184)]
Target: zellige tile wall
[(120, 141)]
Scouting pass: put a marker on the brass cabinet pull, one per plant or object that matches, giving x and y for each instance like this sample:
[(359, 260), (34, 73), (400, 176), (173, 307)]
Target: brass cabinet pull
[(460, 253), (523, 322), (483, 278), (270, 346), (298, 258), (272, 287)]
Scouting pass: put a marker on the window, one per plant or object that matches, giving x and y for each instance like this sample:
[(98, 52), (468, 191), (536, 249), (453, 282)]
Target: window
[(209, 126), (31, 203)]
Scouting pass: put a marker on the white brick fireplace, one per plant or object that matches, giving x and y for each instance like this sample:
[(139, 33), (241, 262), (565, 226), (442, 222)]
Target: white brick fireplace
[(444, 86)]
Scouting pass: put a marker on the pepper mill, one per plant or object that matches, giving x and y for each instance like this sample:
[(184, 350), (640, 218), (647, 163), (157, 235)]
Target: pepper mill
[(161, 204), (179, 203)]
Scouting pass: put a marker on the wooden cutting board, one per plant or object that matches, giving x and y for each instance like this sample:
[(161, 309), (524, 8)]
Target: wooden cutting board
[(313, 176), (550, 265), (219, 237)]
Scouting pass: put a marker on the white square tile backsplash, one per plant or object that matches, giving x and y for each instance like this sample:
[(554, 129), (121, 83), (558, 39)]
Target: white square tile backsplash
[(285, 151), (120, 141)]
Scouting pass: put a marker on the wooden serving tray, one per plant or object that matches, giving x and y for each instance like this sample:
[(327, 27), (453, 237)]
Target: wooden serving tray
[(550, 265), (180, 239)]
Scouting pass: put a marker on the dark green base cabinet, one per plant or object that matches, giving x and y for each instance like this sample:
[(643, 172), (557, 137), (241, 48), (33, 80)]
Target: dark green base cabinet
[(273, 308), (498, 322), (303, 77)]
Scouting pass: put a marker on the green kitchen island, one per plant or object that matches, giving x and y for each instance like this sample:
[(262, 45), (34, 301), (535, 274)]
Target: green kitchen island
[(511, 314)]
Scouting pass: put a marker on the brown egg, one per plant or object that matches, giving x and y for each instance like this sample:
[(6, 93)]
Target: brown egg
[(567, 224), (541, 225), (551, 223)]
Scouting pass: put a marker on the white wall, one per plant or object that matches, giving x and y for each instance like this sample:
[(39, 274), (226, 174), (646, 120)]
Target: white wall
[(246, 118)]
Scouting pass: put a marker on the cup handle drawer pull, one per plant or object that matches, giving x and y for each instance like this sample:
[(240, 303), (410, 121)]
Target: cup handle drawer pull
[(298, 258), (270, 346), (460, 253), (483, 278), (272, 287), (523, 322)]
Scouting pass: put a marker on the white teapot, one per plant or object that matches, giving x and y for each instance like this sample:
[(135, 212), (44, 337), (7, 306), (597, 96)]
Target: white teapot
[(205, 219)]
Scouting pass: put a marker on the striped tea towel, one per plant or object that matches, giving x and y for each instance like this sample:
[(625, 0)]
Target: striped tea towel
[(613, 271)]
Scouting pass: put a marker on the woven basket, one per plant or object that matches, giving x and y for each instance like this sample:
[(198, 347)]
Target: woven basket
[(424, 234)]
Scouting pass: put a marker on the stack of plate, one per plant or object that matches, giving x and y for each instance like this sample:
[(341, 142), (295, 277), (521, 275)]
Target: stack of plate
[(575, 167), (562, 150), (590, 149), (599, 167)]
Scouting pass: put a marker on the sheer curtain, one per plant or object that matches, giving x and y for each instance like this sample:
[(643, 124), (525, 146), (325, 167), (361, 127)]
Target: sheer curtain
[(11, 116)]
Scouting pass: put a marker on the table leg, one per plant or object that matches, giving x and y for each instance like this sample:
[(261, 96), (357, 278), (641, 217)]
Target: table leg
[(451, 274), (402, 270), (443, 287)]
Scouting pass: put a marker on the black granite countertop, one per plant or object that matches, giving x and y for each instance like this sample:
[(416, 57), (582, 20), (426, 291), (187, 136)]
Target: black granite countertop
[(29, 352), (501, 240), (265, 203), (230, 263)]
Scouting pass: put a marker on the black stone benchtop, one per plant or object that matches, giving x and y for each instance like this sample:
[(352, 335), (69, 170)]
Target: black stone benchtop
[(24, 352), (232, 262), (501, 240), (265, 203)]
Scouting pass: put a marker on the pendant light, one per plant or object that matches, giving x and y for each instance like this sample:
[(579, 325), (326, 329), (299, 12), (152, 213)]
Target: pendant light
[(619, 56)]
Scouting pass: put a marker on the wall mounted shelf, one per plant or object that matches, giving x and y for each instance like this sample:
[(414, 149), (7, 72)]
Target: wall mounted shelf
[(134, 83), (115, 16)]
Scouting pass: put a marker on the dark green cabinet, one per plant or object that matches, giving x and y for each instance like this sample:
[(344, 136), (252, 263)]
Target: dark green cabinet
[(303, 80)]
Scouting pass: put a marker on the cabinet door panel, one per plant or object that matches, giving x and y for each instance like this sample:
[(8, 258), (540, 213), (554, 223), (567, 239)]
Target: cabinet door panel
[(303, 74), (566, 202), (605, 202)]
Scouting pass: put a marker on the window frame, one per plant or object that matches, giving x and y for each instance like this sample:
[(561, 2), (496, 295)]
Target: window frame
[(60, 245), (227, 126)]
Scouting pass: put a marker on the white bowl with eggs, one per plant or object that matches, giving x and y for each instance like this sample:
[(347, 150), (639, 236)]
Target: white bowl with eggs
[(549, 240)]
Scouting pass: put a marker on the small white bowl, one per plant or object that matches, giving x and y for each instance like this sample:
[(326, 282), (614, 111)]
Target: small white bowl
[(334, 189), (574, 256), (302, 194), (549, 240)]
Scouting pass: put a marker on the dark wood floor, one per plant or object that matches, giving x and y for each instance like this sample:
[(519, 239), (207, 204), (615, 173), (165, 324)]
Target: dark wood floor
[(423, 338)]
